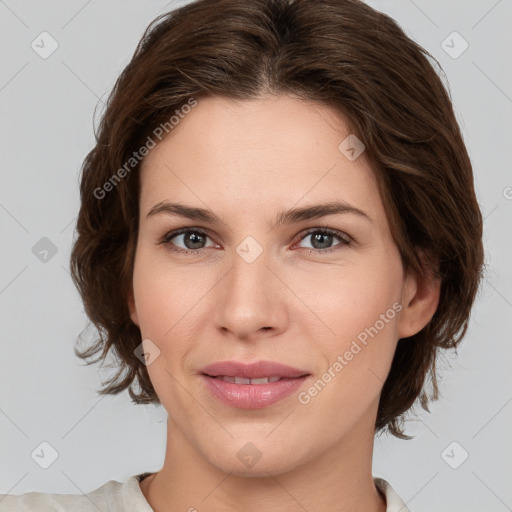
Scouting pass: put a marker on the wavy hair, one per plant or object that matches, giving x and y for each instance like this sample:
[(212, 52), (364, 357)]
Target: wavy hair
[(339, 52)]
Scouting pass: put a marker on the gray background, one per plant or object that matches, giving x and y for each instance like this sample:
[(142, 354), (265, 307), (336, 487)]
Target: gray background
[(47, 395)]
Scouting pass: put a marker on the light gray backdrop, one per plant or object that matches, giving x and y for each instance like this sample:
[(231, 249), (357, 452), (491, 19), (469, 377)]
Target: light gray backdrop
[(461, 457)]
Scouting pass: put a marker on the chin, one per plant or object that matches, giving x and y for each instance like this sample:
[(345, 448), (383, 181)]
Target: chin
[(257, 458), (272, 465)]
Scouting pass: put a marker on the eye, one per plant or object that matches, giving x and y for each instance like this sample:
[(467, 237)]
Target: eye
[(322, 238), (194, 240)]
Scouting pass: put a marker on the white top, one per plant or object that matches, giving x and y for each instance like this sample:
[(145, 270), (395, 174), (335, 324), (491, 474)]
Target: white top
[(126, 496)]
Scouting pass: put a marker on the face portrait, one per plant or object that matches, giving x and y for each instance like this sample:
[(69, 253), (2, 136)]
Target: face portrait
[(307, 286), (250, 236)]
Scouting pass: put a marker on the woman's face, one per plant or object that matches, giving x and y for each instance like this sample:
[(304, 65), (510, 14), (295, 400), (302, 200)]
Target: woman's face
[(251, 284)]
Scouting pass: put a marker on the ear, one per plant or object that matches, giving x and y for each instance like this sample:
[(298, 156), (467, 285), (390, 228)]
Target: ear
[(420, 298), (133, 309)]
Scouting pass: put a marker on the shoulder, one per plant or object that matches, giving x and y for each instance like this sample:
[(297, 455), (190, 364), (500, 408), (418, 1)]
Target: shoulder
[(393, 502), (113, 496)]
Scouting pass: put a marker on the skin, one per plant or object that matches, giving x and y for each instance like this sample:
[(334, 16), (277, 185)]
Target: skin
[(246, 161)]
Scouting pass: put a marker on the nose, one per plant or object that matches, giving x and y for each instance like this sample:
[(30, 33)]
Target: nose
[(250, 300)]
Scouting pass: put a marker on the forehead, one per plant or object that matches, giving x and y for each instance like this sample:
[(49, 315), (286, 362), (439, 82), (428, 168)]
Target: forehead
[(266, 153)]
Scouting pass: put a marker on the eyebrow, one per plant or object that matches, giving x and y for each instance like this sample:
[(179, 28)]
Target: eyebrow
[(291, 216)]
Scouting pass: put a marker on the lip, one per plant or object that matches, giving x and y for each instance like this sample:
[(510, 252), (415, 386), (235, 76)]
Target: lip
[(252, 396), (254, 370)]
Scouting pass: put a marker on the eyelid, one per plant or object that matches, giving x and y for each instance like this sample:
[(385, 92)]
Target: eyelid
[(343, 237), (166, 239)]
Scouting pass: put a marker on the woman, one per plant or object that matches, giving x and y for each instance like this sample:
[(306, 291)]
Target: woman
[(268, 241)]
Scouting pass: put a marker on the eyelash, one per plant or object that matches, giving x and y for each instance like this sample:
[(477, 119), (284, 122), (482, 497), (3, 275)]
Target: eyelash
[(345, 240)]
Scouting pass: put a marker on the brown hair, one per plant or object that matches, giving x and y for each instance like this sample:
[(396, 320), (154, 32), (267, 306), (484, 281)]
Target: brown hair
[(340, 52)]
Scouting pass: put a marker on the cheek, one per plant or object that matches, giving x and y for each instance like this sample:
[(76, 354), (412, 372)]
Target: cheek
[(357, 358), (359, 305), (165, 296), (162, 304), (347, 299)]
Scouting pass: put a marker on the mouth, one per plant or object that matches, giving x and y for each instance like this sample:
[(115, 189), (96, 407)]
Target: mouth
[(252, 386), (252, 373), (243, 380)]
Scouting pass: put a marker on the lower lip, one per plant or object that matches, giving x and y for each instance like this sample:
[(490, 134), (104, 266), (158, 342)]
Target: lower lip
[(252, 396)]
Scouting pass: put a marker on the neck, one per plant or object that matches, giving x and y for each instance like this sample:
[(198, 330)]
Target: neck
[(339, 479)]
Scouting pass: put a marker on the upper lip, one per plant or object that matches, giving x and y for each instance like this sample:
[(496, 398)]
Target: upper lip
[(256, 370)]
